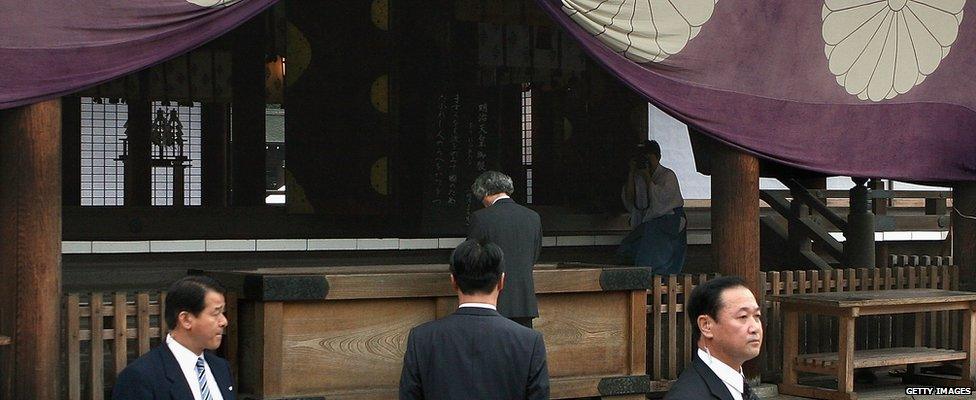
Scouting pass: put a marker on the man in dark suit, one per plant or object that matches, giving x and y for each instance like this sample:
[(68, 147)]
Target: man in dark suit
[(518, 231), (475, 353), (184, 368), (726, 325)]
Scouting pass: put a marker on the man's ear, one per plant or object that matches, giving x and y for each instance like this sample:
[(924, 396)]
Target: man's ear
[(454, 285), (183, 319), (705, 323), (501, 282)]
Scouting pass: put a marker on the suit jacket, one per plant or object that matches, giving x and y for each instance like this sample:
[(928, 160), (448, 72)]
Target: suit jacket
[(157, 376), (517, 230), (698, 382), (474, 353)]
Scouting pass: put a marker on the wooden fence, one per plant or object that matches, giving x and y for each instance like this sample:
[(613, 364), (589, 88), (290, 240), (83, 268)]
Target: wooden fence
[(669, 331), (123, 333), (104, 332), (904, 260)]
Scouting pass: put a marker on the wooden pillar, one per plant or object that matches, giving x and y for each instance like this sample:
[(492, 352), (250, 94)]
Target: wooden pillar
[(735, 214), (213, 145), (248, 136), (71, 151), (138, 167), (735, 221), (30, 250), (859, 248), (964, 233), (880, 208), (799, 242)]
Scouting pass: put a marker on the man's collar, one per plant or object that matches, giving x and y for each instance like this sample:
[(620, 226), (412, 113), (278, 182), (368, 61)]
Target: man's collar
[(479, 305), (724, 372), (477, 311), (183, 355), (504, 196)]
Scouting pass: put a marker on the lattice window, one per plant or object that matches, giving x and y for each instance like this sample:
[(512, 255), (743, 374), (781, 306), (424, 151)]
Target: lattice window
[(162, 175), (102, 131)]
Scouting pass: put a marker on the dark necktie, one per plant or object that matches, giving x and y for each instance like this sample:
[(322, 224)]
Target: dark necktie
[(747, 393)]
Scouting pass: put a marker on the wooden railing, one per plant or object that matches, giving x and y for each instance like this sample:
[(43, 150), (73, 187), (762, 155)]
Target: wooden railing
[(904, 260), (669, 330), (103, 332), (809, 216), (806, 215), (101, 338), (933, 201)]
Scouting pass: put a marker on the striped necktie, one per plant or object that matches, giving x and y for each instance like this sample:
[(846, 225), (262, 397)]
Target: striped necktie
[(202, 379)]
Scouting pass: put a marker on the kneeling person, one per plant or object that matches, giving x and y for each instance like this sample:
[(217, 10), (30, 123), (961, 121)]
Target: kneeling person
[(475, 353)]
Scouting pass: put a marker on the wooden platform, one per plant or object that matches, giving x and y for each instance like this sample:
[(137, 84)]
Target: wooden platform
[(340, 332), (827, 362)]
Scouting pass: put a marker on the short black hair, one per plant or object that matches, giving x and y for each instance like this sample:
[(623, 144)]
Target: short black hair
[(476, 266), (706, 299), (649, 147), (189, 294)]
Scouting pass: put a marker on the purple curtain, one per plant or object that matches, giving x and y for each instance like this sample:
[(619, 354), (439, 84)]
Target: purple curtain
[(51, 48), (863, 88)]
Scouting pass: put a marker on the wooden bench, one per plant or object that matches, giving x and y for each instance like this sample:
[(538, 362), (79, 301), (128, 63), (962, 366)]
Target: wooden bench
[(826, 363), (847, 306)]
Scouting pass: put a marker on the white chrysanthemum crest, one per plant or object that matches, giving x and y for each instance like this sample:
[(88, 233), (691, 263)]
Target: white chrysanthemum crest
[(878, 49), (642, 30)]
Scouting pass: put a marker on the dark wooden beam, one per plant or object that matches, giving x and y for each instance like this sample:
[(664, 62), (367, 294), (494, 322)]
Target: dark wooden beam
[(248, 136), (138, 168), (30, 250), (880, 209), (213, 144), (859, 249), (801, 247), (811, 202), (964, 233), (71, 151)]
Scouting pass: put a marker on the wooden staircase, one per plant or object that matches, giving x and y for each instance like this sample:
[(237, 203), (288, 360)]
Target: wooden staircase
[(807, 215)]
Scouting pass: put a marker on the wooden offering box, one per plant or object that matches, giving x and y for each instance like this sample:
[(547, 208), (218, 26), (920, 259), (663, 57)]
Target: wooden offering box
[(340, 332)]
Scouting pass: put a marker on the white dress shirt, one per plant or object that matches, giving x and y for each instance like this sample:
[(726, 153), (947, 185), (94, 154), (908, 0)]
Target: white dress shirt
[(665, 196), (188, 363), (734, 380), (504, 196), (479, 305)]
